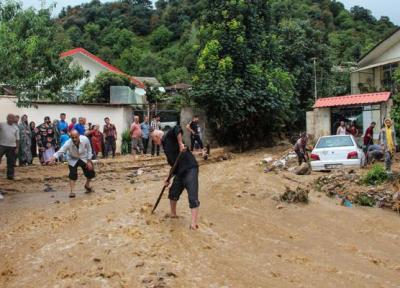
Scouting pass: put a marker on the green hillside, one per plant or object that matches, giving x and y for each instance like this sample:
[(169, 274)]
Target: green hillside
[(163, 42)]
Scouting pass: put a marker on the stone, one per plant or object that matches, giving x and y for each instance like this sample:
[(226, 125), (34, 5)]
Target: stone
[(139, 264), (171, 274), (303, 169)]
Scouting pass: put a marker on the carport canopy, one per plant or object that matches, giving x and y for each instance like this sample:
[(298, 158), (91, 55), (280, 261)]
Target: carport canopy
[(351, 100)]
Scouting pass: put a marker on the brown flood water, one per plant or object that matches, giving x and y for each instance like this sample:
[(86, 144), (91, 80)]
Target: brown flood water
[(109, 239)]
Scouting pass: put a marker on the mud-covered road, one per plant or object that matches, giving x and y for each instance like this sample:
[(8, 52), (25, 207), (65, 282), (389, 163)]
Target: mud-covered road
[(246, 239)]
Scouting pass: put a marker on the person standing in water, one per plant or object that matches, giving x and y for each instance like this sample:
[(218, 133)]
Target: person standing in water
[(186, 174)]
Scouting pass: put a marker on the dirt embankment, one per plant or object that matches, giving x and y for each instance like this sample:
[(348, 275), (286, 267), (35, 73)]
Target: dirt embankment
[(246, 239)]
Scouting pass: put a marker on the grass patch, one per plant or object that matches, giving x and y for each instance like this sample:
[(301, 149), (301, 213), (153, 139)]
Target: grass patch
[(375, 176)]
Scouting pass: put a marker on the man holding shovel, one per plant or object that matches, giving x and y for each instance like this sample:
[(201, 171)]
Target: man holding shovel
[(79, 155), (185, 171)]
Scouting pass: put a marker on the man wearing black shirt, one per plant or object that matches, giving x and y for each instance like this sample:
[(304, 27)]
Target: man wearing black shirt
[(185, 174), (194, 129)]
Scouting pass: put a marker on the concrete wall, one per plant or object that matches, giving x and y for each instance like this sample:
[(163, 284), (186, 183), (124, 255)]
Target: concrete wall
[(355, 79), (319, 122), (310, 122), (121, 116)]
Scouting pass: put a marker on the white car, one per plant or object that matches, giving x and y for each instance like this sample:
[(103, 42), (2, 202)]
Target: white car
[(336, 152)]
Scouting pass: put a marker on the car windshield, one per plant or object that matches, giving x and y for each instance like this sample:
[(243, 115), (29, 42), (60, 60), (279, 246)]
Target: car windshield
[(338, 141)]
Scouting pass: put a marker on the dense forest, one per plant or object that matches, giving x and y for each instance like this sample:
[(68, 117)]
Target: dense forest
[(164, 41), (250, 62)]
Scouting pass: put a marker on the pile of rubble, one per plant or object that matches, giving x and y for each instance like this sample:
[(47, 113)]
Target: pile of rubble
[(348, 185), (287, 162), (299, 195), (225, 157)]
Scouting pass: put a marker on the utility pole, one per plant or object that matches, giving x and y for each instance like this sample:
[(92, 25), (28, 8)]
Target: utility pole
[(315, 78)]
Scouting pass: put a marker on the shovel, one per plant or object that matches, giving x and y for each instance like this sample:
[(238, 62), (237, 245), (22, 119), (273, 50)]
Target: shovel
[(171, 172)]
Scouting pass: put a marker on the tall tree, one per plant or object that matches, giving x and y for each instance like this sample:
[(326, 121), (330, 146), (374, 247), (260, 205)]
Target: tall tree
[(239, 82), (30, 47)]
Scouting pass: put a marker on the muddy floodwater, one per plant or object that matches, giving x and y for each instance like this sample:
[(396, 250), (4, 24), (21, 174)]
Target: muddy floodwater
[(246, 239)]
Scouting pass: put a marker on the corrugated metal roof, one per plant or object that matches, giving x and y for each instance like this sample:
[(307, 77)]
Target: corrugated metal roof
[(349, 100)]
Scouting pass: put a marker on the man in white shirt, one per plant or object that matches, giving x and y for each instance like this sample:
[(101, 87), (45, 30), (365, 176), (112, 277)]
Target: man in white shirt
[(79, 155), (9, 142)]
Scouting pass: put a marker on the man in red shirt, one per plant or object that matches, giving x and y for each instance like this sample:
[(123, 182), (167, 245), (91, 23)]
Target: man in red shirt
[(136, 136), (369, 135), (72, 124)]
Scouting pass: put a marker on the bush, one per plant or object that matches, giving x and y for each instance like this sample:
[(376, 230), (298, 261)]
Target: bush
[(365, 200), (98, 91), (126, 142), (377, 175)]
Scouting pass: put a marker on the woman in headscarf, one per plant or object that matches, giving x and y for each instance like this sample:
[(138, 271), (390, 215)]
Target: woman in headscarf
[(25, 154), (389, 143), (46, 140), (32, 125), (95, 137), (57, 134)]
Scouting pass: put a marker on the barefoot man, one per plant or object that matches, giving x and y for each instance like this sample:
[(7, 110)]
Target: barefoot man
[(79, 155), (185, 175)]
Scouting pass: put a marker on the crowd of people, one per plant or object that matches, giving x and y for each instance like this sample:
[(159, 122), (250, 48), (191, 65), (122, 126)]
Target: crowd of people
[(384, 148), (146, 132), (22, 141), (79, 142)]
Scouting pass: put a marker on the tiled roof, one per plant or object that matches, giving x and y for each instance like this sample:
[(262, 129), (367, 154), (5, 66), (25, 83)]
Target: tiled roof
[(357, 99), (102, 63)]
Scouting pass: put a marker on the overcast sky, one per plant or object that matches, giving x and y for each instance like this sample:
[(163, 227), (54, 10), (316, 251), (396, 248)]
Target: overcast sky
[(379, 8)]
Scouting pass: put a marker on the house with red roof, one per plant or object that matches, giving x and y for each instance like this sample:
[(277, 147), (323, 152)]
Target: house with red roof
[(361, 109), (93, 65), (374, 72)]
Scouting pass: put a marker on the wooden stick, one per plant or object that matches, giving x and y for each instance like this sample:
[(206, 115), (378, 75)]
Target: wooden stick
[(171, 172)]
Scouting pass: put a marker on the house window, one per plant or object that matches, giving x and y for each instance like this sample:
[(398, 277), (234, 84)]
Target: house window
[(388, 72)]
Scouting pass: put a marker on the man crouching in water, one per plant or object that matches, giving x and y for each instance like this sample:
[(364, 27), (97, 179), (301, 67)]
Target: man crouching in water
[(79, 155), (186, 173)]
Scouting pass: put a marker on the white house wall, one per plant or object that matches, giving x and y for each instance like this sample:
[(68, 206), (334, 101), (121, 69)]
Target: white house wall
[(94, 68), (392, 53), (87, 64), (121, 117)]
